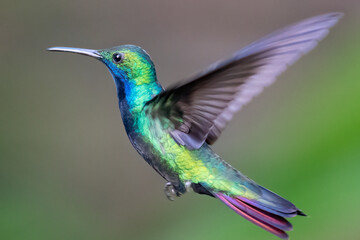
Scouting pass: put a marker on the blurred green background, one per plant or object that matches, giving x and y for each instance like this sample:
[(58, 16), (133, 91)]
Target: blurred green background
[(68, 170)]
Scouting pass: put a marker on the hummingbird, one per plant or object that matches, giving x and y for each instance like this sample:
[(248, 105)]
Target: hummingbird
[(172, 129)]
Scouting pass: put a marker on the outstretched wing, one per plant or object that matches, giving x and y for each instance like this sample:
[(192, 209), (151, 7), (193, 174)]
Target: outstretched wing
[(199, 110)]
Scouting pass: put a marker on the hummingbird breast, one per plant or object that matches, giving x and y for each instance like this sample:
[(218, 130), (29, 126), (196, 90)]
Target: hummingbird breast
[(178, 164)]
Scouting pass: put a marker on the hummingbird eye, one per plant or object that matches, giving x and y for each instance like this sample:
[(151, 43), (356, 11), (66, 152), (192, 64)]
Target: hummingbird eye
[(117, 57)]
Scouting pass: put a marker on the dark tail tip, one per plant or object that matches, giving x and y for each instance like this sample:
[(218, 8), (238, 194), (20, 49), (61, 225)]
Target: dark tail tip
[(299, 212)]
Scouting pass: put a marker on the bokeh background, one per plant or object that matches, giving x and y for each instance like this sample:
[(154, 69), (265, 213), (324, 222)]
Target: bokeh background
[(69, 172)]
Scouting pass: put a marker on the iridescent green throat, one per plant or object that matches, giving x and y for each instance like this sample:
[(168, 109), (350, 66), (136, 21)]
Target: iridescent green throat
[(135, 77)]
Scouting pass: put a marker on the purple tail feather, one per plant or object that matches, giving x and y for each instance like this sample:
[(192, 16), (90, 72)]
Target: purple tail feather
[(270, 219)]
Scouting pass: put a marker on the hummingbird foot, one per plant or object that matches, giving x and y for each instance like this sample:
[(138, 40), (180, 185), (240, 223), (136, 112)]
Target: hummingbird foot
[(171, 191)]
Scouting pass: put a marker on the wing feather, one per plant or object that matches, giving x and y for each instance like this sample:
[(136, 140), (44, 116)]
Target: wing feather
[(201, 108)]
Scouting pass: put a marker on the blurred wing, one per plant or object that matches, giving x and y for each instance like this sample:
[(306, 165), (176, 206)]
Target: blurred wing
[(199, 110)]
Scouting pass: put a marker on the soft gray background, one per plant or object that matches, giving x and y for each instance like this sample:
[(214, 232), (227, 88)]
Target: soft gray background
[(68, 170)]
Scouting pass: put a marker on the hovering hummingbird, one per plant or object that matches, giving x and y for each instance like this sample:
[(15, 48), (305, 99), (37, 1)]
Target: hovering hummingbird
[(172, 129)]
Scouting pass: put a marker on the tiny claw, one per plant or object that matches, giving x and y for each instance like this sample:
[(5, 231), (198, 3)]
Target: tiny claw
[(169, 191)]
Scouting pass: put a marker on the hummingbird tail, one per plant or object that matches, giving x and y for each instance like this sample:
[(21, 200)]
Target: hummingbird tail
[(267, 217)]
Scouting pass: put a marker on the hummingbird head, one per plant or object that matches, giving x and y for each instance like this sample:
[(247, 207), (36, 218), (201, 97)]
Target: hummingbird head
[(128, 63), (131, 67)]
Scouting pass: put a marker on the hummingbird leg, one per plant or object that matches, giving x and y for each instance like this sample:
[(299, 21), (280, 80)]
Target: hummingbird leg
[(171, 191)]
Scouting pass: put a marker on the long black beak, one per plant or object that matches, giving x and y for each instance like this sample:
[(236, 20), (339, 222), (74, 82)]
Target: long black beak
[(87, 52)]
